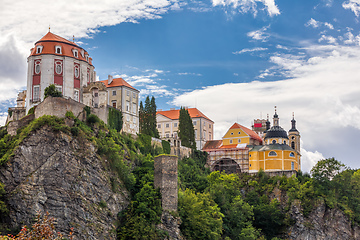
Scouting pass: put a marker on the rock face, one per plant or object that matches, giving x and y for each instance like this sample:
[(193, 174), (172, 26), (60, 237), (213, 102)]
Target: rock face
[(171, 225), (56, 173), (322, 224)]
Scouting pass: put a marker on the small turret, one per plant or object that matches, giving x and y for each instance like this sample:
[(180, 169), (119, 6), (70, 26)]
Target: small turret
[(276, 119)]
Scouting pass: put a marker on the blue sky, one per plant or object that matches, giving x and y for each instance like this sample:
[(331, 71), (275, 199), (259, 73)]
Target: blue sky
[(232, 59)]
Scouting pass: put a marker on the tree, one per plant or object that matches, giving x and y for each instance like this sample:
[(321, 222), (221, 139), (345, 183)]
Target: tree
[(52, 91), (186, 129), (147, 115), (327, 169)]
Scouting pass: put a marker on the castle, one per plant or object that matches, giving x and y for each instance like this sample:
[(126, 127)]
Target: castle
[(55, 60), (271, 149)]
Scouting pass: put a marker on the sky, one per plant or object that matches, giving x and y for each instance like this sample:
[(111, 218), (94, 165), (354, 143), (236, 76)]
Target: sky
[(232, 59)]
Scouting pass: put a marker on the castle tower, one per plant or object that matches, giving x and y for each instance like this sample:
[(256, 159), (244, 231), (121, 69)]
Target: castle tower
[(55, 60), (294, 136)]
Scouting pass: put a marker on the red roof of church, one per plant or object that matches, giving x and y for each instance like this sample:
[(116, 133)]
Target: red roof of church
[(118, 82), (51, 40), (174, 114), (250, 132), (212, 144)]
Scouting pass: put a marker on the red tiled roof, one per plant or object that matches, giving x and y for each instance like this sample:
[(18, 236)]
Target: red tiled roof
[(250, 132), (117, 82), (229, 146), (213, 144), (55, 38), (50, 40), (174, 114)]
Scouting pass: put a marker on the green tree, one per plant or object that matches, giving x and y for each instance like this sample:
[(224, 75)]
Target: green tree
[(52, 91), (201, 217), (326, 169), (186, 129), (147, 115)]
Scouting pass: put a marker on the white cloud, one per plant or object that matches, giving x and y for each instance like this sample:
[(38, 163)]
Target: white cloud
[(260, 34), (312, 23), (316, 24), (245, 50), (245, 6), (353, 5), (189, 73), (322, 89), (309, 159), (328, 39)]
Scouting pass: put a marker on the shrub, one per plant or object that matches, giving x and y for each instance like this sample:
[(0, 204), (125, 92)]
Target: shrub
[(75, 131), (92, 119), (52, 91), (31, 110), (166, 146), (69, 114)]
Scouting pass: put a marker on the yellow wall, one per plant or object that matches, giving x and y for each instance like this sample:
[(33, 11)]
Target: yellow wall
[(261, 159), (235, 135)]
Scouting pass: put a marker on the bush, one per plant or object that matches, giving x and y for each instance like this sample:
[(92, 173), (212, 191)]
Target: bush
[(166, 146), (92, 119), (69, 114), (74, 131), (52, 91), (31, 110)]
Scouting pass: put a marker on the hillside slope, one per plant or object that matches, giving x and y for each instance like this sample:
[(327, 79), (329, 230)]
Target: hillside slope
[(54, 172)]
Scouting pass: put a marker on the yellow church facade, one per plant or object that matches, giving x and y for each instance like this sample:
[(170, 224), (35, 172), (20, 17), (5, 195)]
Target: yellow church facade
[(276, 151)]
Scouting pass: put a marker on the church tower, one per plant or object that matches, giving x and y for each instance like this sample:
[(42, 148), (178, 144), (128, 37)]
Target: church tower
[(294, 136)]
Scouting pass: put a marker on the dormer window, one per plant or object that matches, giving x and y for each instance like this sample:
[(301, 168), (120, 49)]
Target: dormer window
[(39, 49), (87, 57), (58, 49), (75, 52)]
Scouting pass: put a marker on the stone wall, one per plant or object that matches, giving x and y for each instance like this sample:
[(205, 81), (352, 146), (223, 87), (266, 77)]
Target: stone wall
[(165, 178), (58, 106), (16, 114), (278, 173), (15, 125)]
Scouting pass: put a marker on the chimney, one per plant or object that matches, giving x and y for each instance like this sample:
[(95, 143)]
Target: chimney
[(110, 79)]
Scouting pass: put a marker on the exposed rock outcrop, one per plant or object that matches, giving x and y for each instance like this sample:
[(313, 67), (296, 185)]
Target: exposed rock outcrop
[(170, 225), (54, 172), (322, 224)]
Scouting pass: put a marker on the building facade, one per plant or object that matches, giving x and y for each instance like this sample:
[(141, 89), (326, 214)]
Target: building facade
[(243, 150), (168, 122), (55, 60)]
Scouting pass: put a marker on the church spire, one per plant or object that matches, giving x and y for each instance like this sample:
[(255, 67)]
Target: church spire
[(293, 123), (276, 119)]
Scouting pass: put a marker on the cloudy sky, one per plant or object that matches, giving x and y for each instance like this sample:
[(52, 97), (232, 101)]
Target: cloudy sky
[(232, 59)]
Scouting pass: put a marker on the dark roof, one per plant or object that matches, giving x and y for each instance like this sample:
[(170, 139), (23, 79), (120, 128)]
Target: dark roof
[(275, 146), (276, 132)]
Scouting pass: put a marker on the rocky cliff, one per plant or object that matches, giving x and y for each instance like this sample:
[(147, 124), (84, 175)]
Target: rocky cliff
[(55, 172), (322, 223)]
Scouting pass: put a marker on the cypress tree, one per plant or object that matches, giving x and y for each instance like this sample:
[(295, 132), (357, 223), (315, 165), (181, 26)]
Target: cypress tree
[(154, 131), (141, 117), (186, 129), (147, 115)]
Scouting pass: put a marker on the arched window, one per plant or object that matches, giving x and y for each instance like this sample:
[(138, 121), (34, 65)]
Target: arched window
[(58, 49), (292, 154), (37, 67), (272, 153), (58, 67), (293, 145), (76, 71), (273, 141), (284, 141)]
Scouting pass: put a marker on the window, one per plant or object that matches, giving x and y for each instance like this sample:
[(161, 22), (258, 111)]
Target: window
[(292, 137), (127, 92), (96, 105), (273, 141), (292, 166), (76, 71), (59, 88), (37, 66), (292, 154), (76, 95), (231, 141), (36, 93), (175, 124), (232, 133), (194, 122), (75, 53), (57, 49), (175, 134), (167, 135), (58, 67), (272, 153), (239, 140), (167, 125), (209, 136), (39, 49), (209, 125), (159, 125), (127, 106), (134, 95), (114, 93), (113, 104), (284, 141), (96, 94), (293, 145), (134, 108)]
